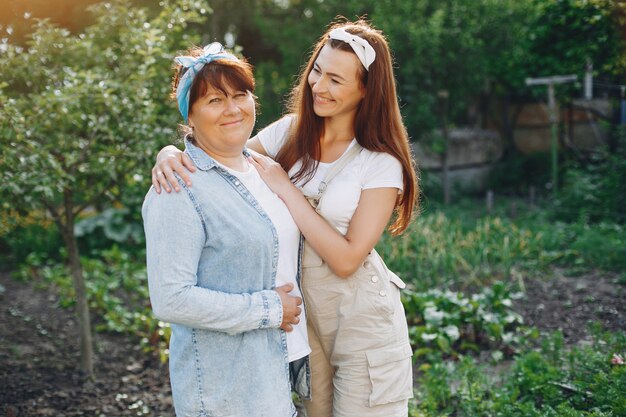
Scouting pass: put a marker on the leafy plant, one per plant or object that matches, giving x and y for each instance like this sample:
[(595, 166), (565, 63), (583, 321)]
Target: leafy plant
[(554, 380), (449, 323), (117, 290)]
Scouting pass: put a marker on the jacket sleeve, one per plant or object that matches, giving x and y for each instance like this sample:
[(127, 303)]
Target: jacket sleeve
[(175, 238)]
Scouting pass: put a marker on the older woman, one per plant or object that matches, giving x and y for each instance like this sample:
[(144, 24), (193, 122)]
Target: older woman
[(214, 258)]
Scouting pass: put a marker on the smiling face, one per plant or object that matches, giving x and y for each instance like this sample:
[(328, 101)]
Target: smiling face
[(222, 121), (335, 83)]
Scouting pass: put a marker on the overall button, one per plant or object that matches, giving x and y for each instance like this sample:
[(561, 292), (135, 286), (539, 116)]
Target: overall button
[(382, 293), (237, 183), (374, 278)]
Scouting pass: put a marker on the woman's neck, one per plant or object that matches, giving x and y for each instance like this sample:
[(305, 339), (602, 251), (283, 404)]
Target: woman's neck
[(338, 129), (338, 135)]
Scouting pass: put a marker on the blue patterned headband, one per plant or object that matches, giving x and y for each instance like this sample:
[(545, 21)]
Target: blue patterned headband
[(194, 64)]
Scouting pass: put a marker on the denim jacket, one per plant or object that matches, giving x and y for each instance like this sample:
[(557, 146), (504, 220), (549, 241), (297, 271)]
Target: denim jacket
[(212, 254)]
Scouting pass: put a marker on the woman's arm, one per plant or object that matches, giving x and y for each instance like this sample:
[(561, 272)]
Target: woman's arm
[(174, 244), (172, 160), (344, 254)]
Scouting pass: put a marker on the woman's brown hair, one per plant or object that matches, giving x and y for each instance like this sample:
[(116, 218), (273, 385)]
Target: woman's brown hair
[(378, 124)]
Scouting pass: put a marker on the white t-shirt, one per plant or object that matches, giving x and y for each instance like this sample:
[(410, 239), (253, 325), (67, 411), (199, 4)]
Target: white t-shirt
[(288, 241), (367, 170)]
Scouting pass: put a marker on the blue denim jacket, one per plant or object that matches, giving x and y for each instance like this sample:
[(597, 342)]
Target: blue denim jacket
[(212, 254)]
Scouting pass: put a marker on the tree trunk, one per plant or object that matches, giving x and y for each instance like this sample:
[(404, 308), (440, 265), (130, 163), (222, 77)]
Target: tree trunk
[(82, 306), (443, 96), (445, 176)]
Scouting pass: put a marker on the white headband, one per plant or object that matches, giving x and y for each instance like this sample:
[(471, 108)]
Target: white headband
[(360, 46)]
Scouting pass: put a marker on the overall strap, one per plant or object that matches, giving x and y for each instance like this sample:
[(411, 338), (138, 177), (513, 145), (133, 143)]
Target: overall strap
[(336, 168)]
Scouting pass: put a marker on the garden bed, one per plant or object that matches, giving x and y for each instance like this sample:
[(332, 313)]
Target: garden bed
[(39, 351)]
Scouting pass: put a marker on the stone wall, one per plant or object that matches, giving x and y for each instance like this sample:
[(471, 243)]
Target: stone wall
[(471, 154)]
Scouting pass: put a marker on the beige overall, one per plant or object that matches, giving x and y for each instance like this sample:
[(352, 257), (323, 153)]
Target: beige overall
[(361, 356)]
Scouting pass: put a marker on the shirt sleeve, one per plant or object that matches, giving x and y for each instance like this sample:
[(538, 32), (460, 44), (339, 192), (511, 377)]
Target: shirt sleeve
[(174, 244), (274, 136), (382, 170)]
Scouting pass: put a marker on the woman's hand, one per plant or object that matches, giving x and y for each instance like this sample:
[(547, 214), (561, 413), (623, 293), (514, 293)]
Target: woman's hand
[(291, 311), (273, 174), (169, 160)]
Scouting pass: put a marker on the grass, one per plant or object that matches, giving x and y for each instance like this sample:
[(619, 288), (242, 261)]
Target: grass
[(463, 247)]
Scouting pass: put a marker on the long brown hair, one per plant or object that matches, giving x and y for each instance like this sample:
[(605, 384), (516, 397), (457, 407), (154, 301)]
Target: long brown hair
[(378, 124)]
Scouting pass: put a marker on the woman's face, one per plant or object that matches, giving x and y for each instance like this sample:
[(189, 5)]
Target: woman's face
[(335, 83), (222, 122)]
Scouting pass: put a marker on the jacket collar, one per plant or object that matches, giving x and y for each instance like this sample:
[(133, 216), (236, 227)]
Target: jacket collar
[(200, 158)]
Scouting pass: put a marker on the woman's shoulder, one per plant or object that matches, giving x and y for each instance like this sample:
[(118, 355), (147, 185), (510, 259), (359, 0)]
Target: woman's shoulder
[(379, 169), (368, 157), (274, 136)]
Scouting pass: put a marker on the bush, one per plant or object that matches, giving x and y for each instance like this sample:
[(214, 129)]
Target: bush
[(21, 235), (594, 192), (517, 172)]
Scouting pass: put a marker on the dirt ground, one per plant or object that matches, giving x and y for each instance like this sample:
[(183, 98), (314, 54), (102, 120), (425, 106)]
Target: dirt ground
[(39, 351)]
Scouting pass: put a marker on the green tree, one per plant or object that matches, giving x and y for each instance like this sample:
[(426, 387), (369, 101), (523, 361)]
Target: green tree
[(278, 36), (81, 116), (466, 47), (565, 33)]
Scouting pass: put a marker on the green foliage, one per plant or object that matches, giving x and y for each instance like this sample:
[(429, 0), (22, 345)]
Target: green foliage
[(565, 33), (472, 48), (582, 245), (516, 173), (449, 323), (440, 249), (458, 46), (463, 247), (602, 245), (594, 192), (117, 290), (84, 113), (23, 234), (551, 381), (111, 225), (81, 114)]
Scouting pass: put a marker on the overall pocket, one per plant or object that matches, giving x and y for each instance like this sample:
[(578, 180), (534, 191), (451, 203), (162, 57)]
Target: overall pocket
[(390, 374)]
